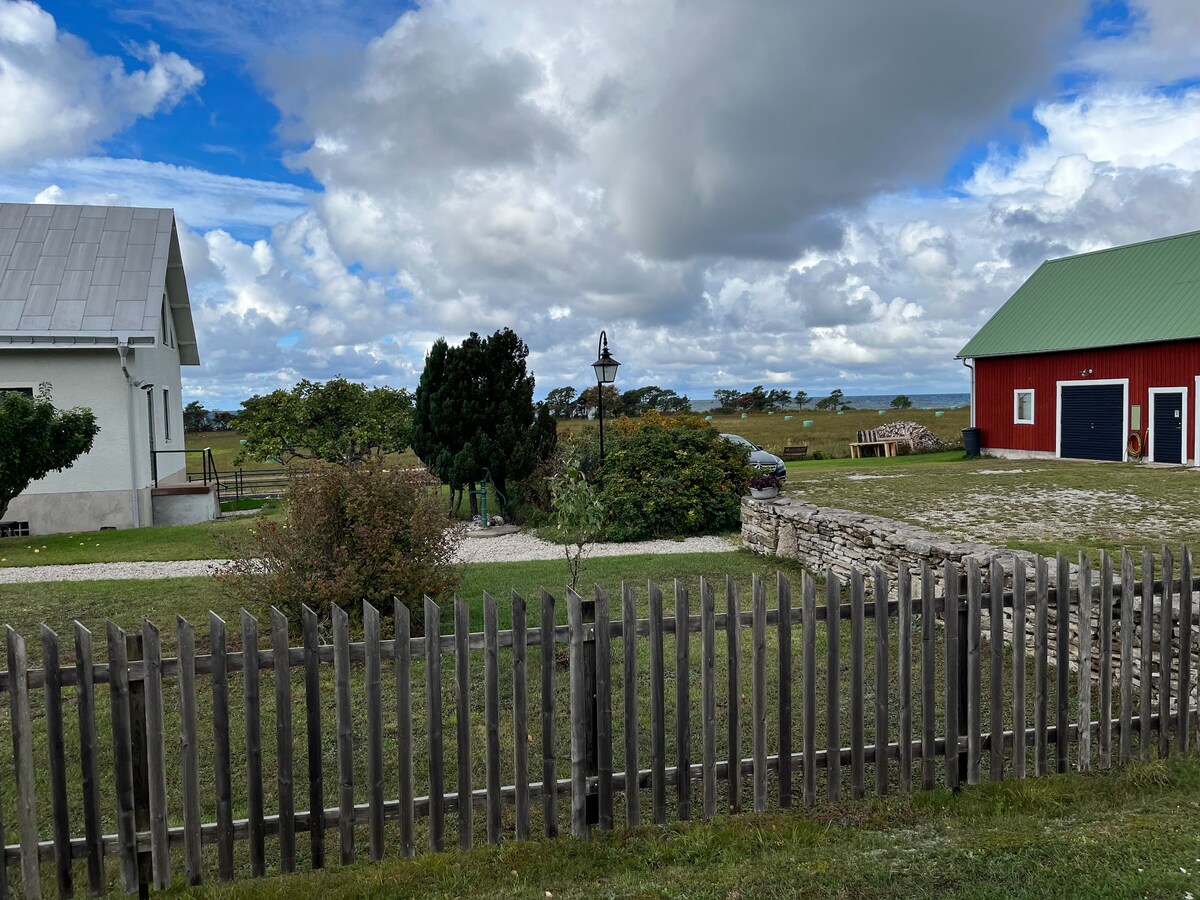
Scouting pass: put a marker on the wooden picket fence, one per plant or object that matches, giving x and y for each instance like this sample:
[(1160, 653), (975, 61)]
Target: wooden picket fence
[(927, 702)]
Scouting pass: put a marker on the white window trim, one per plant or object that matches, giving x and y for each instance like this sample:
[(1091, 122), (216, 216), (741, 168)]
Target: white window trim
[(1183, 450), (1017, 392), (166, 399), (1124, 382)]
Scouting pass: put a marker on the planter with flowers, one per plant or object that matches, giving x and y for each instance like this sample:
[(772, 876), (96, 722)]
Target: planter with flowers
[(764, 486)]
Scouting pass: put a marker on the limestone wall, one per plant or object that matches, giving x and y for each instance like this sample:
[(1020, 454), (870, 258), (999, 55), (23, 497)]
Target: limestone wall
[(840, 540)]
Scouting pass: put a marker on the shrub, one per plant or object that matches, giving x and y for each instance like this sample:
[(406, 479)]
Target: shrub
[(347, 534), (670, 477), (578, 514)]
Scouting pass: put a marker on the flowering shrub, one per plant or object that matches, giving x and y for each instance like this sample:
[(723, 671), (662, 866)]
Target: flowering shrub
[(348, 534)]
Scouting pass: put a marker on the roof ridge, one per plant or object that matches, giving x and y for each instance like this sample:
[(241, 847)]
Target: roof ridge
[(1157, 240)]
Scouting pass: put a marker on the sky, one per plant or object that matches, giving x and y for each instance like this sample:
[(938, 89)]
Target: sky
[(809, 196)]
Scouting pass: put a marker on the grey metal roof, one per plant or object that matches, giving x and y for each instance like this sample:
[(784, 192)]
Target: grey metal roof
[(71, 275)]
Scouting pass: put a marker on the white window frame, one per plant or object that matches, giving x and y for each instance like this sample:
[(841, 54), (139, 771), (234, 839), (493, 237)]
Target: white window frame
[(1183, 450), (1017, 392), (1124, 382), (166, 400)]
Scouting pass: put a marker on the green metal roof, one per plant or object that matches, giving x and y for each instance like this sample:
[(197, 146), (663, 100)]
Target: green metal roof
[(1136, 294)]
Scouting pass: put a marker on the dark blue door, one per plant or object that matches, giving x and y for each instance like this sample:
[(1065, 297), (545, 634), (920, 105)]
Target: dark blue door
[(1168, 428), (1092, 422)]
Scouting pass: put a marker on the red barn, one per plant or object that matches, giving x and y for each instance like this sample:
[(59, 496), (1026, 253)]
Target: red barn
[(1094, 355)]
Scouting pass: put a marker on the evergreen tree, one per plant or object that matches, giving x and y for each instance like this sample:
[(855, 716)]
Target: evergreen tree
[(474, 412)]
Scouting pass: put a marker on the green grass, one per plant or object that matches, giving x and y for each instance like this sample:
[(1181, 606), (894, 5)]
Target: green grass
[(1124, 834), (58, 603), (830, 434), (1040, 505), (159, 544)]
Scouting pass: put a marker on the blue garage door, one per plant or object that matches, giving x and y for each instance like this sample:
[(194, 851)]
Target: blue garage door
[(1168, 428), (1092, 421)]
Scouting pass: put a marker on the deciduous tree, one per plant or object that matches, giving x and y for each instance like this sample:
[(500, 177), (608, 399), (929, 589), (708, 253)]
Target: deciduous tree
[(37, 439), (338, 421)]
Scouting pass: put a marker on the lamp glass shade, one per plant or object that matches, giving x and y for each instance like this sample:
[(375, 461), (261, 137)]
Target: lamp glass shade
[(606, 368)]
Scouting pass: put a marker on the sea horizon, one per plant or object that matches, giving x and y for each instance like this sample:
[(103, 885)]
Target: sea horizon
[(943, 400)]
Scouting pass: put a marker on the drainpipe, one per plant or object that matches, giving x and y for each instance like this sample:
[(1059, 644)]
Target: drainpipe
[(971, 366), (123, 353)]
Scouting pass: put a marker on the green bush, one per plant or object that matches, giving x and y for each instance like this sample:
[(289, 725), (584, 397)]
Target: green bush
[(669, 477), (347, 534)]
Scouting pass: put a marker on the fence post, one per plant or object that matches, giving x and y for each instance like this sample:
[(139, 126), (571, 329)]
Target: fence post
[(141, 769)]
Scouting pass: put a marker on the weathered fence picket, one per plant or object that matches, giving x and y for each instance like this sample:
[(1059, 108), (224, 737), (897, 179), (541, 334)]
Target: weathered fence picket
[(833, 690), (880, 740), (1151, 647)]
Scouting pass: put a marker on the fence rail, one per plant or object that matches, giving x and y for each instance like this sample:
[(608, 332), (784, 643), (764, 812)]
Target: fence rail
[(918, 686)]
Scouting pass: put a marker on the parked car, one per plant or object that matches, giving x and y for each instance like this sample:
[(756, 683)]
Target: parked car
[(760, 458)]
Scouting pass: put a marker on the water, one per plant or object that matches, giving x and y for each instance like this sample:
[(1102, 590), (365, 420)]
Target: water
[(919, 401)]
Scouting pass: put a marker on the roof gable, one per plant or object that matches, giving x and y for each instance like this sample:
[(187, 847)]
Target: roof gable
[(77, 273), (1135, 294)]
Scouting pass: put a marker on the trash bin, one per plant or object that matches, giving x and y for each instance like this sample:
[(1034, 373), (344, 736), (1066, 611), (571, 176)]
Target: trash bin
[(971, 439)]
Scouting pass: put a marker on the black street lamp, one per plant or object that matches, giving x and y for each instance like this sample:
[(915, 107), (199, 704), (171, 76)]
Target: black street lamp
[(606, 373)]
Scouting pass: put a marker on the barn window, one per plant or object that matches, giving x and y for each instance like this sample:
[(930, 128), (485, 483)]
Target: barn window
[(1023, 407)]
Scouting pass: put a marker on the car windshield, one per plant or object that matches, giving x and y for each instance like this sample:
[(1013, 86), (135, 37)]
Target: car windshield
[(738, 439)]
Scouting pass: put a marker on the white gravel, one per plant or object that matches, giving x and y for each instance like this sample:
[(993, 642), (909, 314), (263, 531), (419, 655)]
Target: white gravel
[(506, 548)]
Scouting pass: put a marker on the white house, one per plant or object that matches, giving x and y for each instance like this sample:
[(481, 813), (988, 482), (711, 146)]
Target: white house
[(93, 302)]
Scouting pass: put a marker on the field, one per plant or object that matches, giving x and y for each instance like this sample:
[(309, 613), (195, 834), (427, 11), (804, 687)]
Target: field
[(830, 433)]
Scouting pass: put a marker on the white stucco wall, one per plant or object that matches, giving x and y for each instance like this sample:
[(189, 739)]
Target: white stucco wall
[(93, 378)]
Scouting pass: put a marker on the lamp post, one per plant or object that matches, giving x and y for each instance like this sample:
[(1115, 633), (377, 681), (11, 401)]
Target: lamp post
[(606, 373)]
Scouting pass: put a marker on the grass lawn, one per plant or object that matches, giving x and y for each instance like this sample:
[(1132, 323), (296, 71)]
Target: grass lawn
[(163, 543), (1037, 505), (1125, 834), (127, 602)]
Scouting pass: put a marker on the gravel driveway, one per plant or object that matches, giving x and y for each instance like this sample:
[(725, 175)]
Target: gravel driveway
[(507, 548)]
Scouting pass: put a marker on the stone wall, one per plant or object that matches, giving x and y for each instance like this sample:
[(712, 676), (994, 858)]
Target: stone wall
[(841, 540), (823, 539)]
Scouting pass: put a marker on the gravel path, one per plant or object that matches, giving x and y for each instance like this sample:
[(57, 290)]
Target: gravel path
[(507, 548)]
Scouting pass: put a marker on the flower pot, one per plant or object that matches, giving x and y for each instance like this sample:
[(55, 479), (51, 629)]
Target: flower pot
[(764, 494)]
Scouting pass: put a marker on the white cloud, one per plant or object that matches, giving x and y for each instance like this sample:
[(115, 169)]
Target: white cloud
[(58, 98), (205, 199), (739, 194)]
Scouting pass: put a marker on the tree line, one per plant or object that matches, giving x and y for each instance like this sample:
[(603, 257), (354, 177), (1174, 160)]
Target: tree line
[(567, 403)]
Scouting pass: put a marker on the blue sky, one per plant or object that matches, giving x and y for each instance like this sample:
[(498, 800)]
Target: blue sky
[(807, 196)]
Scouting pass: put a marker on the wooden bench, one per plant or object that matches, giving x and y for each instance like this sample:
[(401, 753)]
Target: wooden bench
[(797, 451), (874, 444)]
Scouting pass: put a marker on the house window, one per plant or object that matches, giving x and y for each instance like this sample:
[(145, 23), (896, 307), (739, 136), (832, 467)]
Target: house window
[(27, 391), (167, 414), (1023, 407)]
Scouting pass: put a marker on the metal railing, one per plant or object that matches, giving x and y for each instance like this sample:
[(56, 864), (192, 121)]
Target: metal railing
[(208, 465)]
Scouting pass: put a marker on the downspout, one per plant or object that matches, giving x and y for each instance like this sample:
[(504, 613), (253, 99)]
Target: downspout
[(123, 353), (971, 366)]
